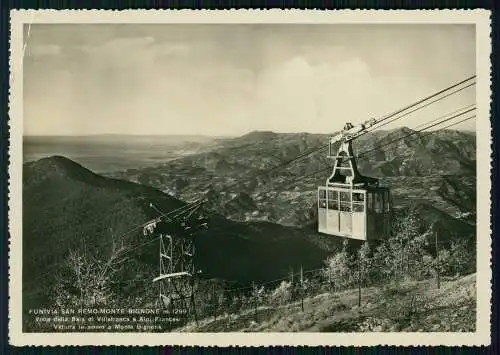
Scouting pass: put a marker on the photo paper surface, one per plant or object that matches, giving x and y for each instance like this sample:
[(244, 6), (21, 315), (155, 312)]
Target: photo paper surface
[(244, 177)]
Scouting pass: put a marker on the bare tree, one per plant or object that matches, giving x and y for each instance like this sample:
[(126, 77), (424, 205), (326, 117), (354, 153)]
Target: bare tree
[(87, 278)]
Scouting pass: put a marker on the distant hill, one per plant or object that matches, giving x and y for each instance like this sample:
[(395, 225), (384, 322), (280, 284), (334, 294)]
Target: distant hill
[(110, 138), (106, 153), (66, 206)]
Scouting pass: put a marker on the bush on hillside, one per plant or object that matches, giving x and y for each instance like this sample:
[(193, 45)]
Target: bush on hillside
[(339, 270), (282, 294), (87, 280)]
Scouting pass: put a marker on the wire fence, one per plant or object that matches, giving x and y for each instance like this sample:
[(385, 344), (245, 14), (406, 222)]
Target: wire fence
[(220, 309)]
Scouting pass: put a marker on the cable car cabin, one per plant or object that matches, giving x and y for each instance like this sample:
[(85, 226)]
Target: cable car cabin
[(351, 205), (362, 214)]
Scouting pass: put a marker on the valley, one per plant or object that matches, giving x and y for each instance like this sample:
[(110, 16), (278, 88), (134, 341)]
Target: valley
[(262, 221), (237, 180), (69, 208)]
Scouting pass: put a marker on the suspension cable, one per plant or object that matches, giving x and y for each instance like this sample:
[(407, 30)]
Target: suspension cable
[(364, 154)]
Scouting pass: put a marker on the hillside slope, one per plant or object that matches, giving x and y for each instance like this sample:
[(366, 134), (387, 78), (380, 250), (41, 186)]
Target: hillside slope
[(411, 307), (67, 207)]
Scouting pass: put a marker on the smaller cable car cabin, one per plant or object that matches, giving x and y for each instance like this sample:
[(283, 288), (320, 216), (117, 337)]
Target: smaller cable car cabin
[(351, 205)]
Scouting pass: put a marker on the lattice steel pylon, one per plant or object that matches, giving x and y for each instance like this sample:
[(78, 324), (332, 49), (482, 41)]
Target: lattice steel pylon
[(177, 271)]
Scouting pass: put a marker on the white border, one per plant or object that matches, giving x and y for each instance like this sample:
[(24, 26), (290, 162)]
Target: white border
[(481, 18)]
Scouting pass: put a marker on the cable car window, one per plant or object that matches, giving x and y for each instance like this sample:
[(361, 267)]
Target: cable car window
[(333, 205), (345, 196), (379, 202), (369, 201), (358, 204), (358, 197), (345, 201), (333, 200), (357, 207), (345, 206), (388, 202), (333, 195), (322, 198)]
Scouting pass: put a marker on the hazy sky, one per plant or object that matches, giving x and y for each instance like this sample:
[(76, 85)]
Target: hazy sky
[(232, 79)]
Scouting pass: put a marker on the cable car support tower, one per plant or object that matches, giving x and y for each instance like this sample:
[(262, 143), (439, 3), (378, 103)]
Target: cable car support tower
[(177, 269)]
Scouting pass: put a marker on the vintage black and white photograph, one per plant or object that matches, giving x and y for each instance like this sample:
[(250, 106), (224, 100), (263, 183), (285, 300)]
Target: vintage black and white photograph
[(251, 177)]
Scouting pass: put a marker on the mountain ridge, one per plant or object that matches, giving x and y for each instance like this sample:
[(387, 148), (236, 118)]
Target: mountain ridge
[(422, 156)]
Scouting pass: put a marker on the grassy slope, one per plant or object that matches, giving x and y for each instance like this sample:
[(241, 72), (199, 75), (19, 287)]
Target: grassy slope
[(411, 307)]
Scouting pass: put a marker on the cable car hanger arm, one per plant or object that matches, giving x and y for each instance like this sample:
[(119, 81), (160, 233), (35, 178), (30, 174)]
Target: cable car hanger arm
[(350, 132)]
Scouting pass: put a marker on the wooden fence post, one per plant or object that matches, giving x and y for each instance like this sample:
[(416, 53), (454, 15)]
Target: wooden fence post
[(302, 288), (215, 301), (437, 260), (329, 280), (255, 296), (359, 281)]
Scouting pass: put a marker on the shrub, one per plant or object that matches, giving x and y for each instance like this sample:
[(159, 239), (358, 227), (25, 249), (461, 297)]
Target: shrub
[(282, 294), (339, 270), (463, 257)]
